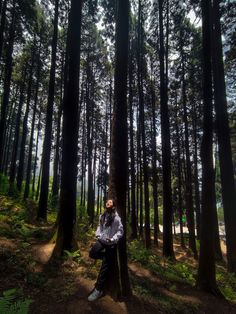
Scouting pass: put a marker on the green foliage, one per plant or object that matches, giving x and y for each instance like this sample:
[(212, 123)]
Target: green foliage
[(227, 284), (4, 184), (169, 271), (13, 302), (75, 256), (13, 217)]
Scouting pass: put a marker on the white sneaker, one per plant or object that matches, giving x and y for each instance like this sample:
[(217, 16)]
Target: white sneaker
[(95, 295)]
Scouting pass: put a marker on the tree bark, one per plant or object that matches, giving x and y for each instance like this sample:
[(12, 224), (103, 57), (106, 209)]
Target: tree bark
[(165, 143), (20, 174), (223, 133), (67, 210), (7, 82), (43, 201), (206, 279), (119, 157), (17, 134)]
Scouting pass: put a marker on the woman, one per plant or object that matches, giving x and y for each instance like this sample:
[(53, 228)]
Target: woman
[(108, 233)]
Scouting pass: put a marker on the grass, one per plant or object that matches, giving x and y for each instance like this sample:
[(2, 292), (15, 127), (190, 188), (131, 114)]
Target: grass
[(174, 273)]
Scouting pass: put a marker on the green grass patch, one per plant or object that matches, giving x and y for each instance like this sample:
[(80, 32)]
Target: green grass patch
[(13, 301), (167, 270)]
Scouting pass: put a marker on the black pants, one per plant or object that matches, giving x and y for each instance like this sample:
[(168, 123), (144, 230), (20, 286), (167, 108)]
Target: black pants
[(107, 254)]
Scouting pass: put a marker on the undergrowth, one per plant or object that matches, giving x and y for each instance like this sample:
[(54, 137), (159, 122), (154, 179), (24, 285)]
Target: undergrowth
[(13, 301)]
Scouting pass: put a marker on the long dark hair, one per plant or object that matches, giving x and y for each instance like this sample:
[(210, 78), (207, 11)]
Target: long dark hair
[(111, 215)]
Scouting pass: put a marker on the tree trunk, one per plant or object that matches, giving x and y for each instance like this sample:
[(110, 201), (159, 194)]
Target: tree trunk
[(142, 127), (29, 165), (17, 134), (154, 166), (8, 141), (132, 158), (223, 133), (20, 173), (180, 200), (165, 143), (189, 190), (43, 201), (206, 279), (7, 82), (196, 177), (36, 154), (67, 208), (2, 25), (119, 158)]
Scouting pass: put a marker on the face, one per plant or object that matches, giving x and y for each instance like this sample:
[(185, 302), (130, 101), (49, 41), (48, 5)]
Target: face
[(109, 204)]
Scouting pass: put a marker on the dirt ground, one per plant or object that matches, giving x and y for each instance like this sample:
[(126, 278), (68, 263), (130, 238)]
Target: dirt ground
[(64, 288)]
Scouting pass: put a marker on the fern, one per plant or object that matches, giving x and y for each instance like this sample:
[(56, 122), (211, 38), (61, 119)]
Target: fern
[(12, 303)]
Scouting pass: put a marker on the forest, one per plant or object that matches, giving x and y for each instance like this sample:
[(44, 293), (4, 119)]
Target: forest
[(126, 100)]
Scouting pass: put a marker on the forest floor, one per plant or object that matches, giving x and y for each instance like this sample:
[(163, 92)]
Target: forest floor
[(159, 286)]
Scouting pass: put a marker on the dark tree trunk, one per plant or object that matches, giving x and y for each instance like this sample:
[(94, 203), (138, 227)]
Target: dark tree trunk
[(36, 154), (55, 182), (29, 165), (2, 25), (142, 127), (189, 190), (119, 157), (132, 158), (218, 253), (82, 167), (7, 83), (196, 176), (17, 134), (43, 201), (20, 173), (89, 132), (206, 279), (166, 153), (180, 200), (8, 145), (39, 182), (67, 208), (223, 133), (154, 166)]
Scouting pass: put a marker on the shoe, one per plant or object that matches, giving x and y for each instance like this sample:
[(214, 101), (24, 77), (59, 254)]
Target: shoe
[(95, 294)]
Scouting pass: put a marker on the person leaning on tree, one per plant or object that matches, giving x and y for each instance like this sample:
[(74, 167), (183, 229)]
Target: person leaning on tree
[(108, 233)]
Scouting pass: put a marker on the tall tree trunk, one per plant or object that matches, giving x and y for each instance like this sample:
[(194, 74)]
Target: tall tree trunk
[(165, 143), (154, 165), (17, 134), (2, 25), (119, 157), (142, 126), (132, 158), (43, 201), (20, 173), (196, 176), (8, 145), (189, 190), (29, 165), (223, 133), (55, 182), (67, 208), (89, 132), (7, 82), (206, 279), (36, 154), (218, 253)]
